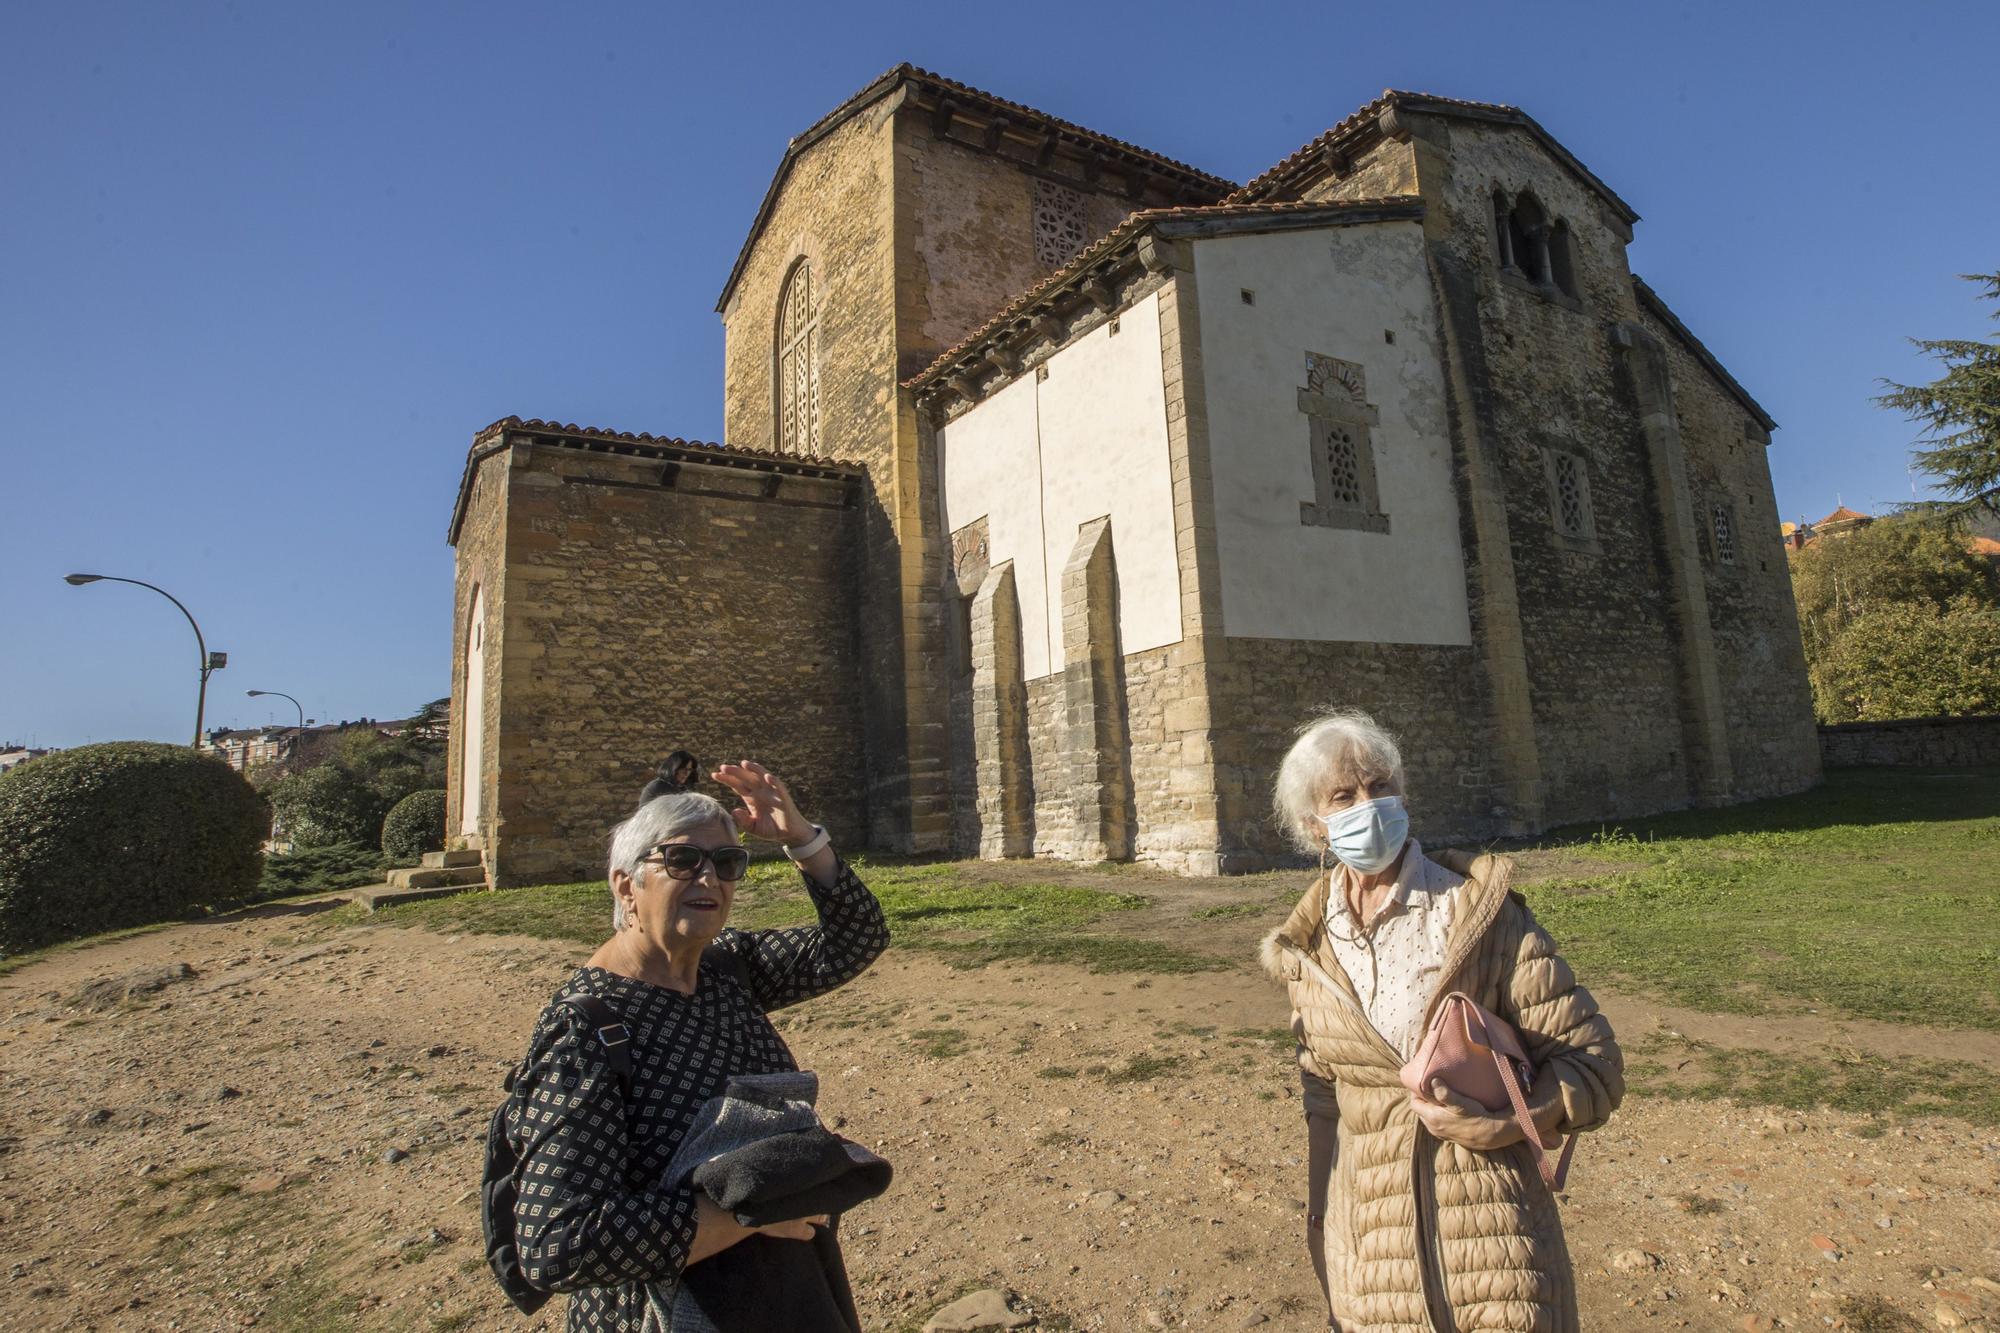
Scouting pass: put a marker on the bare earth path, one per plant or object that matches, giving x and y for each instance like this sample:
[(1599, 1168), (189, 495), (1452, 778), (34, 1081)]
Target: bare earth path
[(1124, 1152)]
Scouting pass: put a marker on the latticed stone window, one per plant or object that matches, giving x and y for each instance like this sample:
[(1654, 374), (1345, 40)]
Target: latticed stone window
[(1343, 465), (798, 365), (1059, 224), (1340, 421), (1569, 498), (1725, 533)]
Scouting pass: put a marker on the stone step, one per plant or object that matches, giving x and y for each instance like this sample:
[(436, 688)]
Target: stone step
[(437, 877), (469, 856), (377, 896)]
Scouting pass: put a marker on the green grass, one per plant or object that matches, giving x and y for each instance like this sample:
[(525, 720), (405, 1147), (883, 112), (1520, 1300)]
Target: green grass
[(952, 910), (939, 1043), (10, 962), (1877, 896), (1840, 1080)]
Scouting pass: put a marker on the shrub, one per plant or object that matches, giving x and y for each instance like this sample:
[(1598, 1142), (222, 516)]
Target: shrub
[(344, 865), (122, 834), (326, 805), (415, 825)]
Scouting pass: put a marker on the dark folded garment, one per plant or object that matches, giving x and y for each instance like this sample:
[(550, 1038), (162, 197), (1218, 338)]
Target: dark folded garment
[(801, 1174), (763, 1285)]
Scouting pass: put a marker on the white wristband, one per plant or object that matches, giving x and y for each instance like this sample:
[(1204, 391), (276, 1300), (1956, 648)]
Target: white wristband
[(812, 847)]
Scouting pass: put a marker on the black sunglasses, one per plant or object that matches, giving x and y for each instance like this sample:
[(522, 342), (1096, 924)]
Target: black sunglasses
[(682, 860)]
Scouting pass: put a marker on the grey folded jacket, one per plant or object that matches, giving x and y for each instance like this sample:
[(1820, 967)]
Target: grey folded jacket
[(759, 1150)]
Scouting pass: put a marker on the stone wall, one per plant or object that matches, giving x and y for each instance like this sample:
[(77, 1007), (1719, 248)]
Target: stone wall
[(1753, 621), (1922, 742), (642, 618), (481, 565)]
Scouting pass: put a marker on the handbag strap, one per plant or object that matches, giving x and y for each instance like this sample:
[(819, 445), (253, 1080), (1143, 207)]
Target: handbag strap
[(1552, 1177)]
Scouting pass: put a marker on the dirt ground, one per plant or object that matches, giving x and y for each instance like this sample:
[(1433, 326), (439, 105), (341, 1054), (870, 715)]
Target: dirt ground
[(289, 1136)]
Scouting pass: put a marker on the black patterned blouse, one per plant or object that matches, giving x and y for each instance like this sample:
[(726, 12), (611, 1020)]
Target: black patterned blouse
[(592, 1217)]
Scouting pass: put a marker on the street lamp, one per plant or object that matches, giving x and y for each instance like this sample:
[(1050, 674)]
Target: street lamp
[(298, 742), (210, 662)]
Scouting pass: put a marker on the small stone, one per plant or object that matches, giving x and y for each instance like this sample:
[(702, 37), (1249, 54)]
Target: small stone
[(1102, 1199), (226, 1093), (1635, 1261), (394, 1155), (980, 1310), (1756, 1323), (436, 1051), (1254, 1318)]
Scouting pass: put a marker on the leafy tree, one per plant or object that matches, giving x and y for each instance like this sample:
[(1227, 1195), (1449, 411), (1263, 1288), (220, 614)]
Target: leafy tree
[(1911, 659), (326, 805), (1960, 416), (1891, 562), (1892, 617)]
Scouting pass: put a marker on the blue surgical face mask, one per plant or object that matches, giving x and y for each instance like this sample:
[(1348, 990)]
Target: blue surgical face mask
[(1368, 835)]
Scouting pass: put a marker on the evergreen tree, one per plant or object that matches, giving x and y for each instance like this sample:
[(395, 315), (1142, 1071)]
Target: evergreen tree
[(1960, 416)]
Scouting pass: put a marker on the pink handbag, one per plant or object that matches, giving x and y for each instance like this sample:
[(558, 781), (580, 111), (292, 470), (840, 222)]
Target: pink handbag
[(1479, 1056)]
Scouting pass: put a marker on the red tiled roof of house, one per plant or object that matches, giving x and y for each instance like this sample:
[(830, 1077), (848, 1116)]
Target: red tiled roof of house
[(1840, 515), (1985, 546), (1133, 224)]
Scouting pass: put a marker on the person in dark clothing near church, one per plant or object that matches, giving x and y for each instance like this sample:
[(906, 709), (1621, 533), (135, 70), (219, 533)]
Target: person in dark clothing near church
[(678, 773), (594, 1215)]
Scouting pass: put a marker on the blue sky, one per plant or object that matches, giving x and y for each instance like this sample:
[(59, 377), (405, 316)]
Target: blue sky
[(269, 266)]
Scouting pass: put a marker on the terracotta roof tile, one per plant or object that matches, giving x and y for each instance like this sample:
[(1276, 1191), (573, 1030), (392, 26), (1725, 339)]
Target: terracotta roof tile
[(1364, 120), (494, 437), (1839, 515), (906, 72), (1220, 183), (658, 441), (1114, 239), (1984, 546)]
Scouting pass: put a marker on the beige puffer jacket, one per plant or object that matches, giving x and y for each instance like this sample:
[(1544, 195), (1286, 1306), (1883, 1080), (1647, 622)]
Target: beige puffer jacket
[(1428, 1237)]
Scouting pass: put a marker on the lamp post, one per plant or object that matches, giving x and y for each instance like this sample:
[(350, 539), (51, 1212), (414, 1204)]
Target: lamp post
[(298, 741), (210, 662)]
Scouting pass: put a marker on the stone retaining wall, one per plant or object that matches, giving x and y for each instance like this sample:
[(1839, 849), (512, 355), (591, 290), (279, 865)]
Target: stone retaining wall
[(1919, 742)]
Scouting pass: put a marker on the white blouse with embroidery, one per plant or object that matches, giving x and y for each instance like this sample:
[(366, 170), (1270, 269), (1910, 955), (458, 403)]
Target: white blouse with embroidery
[(1395, 960)]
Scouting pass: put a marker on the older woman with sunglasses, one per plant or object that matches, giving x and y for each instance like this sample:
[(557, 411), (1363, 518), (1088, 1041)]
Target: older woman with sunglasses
[(593, 1216)]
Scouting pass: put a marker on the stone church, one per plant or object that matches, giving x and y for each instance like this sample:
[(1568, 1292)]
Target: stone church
[(1062, 480)]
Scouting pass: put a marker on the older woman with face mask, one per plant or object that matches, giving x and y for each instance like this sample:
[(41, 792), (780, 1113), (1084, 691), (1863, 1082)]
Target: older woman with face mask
[(594, 1216), (1424, 1211)]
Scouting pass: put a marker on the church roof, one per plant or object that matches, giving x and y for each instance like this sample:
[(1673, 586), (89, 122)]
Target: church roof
[(1361, 130), (1650, 299), (666, 448), (1210, 220), (1840, 515), (1193, 178)]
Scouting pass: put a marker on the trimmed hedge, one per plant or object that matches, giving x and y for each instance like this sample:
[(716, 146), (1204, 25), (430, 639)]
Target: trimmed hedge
[(122, 834), (415, 825)]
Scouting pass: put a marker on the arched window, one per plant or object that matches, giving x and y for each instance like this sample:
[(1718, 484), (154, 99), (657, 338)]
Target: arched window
[(1562, 259), (798, 364), (1528, 238), (1502, 234)]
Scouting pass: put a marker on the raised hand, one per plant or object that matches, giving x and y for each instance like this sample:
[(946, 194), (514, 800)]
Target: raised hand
[(768, 811)]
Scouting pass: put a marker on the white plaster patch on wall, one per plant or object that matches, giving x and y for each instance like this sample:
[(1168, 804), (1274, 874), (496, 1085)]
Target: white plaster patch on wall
[(1041, 458), (1335, 292)]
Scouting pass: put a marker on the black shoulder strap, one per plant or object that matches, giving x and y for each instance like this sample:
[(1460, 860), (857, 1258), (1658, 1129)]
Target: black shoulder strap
[(612, 1035)]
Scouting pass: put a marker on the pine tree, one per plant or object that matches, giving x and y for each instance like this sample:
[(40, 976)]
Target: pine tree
[(1960, 416)]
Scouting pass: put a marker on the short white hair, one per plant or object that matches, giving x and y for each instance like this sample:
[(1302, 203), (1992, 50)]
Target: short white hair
[(653, 823), (1337, 744)]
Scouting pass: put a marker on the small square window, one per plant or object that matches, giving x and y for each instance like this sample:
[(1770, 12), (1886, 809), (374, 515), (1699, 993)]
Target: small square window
[(1249, 297)]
